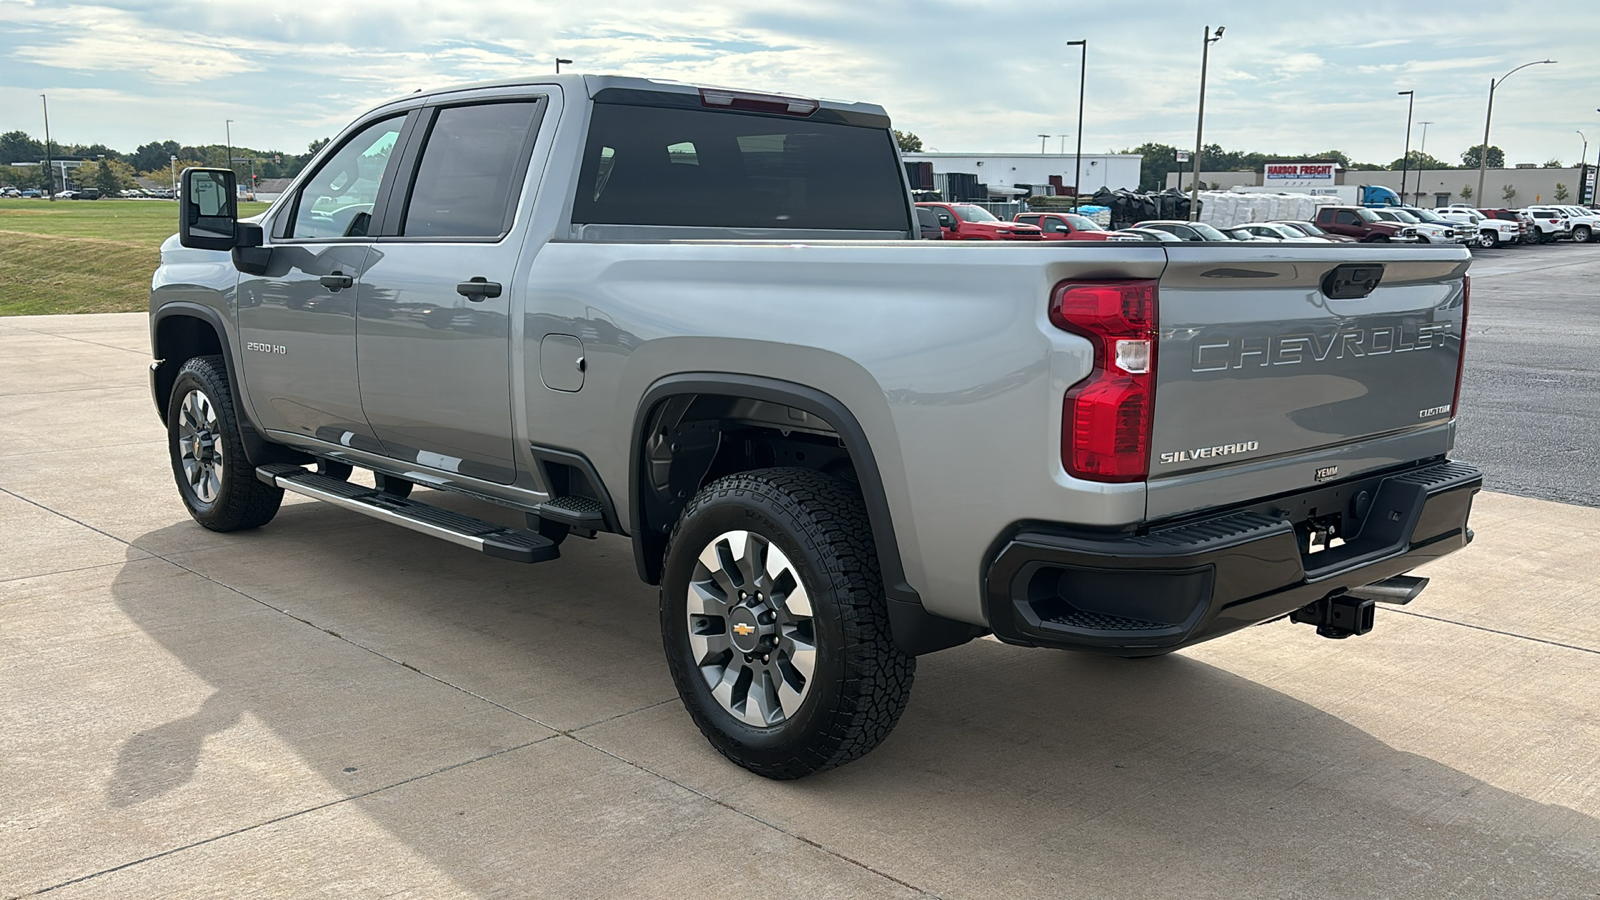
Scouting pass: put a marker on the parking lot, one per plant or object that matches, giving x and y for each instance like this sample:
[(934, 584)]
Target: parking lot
[(331, 705)]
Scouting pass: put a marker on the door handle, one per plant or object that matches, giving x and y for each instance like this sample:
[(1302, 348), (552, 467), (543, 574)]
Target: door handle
[(477, 287), (337, 281)]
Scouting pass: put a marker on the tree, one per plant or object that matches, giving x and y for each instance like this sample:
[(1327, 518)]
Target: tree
[(1417, 160), (1466, 192), (314, 146), (1497, 157), (908, 141), (1160, 160), (1561, 192), (155, 155), (1508, 193), (1554, 163), (19, 146)]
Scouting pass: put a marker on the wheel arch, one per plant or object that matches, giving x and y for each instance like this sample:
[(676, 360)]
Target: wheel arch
[(651, 518)]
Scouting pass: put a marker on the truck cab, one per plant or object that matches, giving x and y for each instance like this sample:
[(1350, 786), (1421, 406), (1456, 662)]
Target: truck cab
[(1362, 224)]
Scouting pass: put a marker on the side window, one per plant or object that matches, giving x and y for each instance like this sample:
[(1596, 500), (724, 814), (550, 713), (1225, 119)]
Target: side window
[(1051, 223), (470, 177), (337, 201), (1345, 217)]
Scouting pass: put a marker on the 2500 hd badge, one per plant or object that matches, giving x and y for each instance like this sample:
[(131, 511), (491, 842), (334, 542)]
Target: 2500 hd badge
[(1178, 456)]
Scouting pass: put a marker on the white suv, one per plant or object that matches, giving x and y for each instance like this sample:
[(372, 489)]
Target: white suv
[(1585, 222), (1490, 232), (1549, 223)]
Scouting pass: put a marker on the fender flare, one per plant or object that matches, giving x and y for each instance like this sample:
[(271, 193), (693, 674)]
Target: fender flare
[(915, 630)]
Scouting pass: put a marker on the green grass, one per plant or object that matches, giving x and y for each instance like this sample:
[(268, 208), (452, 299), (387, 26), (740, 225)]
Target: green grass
[(81, 256)]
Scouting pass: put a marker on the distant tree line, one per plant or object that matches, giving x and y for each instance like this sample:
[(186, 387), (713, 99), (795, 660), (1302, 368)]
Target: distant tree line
[(1160, 160), (113, 170)]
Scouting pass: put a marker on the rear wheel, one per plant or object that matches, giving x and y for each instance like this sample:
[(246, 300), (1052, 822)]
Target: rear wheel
[(1583, 234), (217, 483), (775, 624)]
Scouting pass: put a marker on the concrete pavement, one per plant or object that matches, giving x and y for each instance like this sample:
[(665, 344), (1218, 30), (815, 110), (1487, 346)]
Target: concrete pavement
[(338, 707)]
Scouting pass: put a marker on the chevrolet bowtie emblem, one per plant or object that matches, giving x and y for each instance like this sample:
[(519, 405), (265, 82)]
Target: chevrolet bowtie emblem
[(744, 630)]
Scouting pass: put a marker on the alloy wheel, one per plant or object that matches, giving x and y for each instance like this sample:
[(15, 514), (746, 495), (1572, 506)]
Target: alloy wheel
[(200, 446), (750, 628)]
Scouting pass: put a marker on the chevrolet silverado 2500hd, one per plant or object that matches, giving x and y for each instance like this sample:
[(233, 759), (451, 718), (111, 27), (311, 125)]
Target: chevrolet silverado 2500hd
[(698, 318)]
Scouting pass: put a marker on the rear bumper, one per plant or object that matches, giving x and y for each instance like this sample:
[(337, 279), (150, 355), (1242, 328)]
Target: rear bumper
[(1183, 584)]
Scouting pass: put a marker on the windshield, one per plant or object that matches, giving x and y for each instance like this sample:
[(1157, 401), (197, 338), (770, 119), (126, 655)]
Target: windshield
[(1285, 231), (974, 214), (1308, 228), (1207, 232), (1082, 223), (1425, 215), (1368, 215)]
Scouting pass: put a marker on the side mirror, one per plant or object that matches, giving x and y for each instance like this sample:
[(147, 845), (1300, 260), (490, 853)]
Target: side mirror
[(208, 215), (1062, 229)]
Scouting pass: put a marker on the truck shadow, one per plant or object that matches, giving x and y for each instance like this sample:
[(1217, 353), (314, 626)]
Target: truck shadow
[(1028, 772)]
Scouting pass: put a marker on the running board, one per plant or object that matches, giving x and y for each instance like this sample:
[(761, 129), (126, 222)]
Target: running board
[(466, 531)]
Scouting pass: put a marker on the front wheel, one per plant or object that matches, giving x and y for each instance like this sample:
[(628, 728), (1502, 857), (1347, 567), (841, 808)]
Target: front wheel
[(775, 625), (1583, 234), (1488, 240), (217, 483)]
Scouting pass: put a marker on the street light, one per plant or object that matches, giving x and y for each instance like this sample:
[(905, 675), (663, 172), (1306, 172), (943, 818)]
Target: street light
[(1583, 167), (1405, 159), (1483, 151), (1200, 121), (1424, 138), (228, 126), (1063, 148), (1042, 139), (49, 164), (174, 177), (559, 61), (1077, 158)]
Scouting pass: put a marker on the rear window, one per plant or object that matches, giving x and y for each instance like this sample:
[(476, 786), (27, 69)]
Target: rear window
[(701, 168)]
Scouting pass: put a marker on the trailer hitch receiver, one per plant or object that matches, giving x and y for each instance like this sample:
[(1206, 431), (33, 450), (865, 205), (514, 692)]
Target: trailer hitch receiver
[(1337, 617)]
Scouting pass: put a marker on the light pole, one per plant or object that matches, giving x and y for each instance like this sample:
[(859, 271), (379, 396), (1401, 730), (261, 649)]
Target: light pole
[(1483, 151), (174, 165), (228, 127), (49, 164), (1063, 147), (559, 61), (1077, 158), (1583, 165), (1405, 159), (1200, 121), (1042, 139), (1424, 137)]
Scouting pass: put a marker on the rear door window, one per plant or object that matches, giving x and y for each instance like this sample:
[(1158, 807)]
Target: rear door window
[(702, 168), (470, 177)]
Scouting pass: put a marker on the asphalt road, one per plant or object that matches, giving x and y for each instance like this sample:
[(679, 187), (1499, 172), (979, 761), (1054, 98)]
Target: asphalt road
[(1530, 398)]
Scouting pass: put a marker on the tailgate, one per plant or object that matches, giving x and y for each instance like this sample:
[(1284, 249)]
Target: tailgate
[(1267, 384)]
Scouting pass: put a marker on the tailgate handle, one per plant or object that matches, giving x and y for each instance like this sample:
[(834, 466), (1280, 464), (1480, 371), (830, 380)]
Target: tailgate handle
[(1352, 281)]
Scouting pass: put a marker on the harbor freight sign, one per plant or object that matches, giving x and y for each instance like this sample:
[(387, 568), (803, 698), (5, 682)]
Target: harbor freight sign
[(1285, 173)]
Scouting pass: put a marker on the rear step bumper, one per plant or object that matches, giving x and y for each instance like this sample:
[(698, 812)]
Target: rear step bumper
[(1187, 583), (485, 537)]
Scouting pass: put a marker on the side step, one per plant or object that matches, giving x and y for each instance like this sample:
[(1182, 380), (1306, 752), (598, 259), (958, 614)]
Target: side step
[(577, 512), (476, 534)]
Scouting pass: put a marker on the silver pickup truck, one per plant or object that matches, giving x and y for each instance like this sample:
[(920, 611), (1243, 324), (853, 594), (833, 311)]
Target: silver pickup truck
[(700, 319)]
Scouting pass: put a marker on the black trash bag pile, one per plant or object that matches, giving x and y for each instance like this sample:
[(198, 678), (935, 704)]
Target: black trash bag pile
[(1128, 207)]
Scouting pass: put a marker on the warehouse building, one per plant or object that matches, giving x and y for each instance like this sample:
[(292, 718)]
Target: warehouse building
[(1009, 175), (1431, 188)]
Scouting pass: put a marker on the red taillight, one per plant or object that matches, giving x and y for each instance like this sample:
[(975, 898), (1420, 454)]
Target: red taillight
[(1105, 419), (782, 104), (1461, 345)]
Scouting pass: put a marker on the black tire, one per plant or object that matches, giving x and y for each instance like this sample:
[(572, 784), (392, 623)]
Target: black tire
[(1489, 240), (239, 500), (1583, 234), (860, 681)]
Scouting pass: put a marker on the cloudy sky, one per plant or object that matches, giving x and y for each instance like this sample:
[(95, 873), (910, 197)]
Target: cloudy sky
[(966, 76)]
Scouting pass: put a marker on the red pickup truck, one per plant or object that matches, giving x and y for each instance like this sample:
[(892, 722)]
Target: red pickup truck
[(1064, 226), (1362, 224), (965, 222)]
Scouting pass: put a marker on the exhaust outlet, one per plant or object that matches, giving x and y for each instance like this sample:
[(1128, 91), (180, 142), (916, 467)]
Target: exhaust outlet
[(1399, 590)]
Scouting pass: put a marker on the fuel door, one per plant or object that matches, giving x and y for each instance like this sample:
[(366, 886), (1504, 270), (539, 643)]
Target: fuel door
[(561, 362)]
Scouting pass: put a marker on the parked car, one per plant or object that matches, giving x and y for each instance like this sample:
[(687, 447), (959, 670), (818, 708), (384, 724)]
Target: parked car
[(1487, 232), (1428, 232), (1185, 231), (1585, 222), (1064, 226), (32, 193), (965, 222), (1549, 224), (1310, 230), (1523, 220), (834, 448), (1363, 224), (1146, 234), (928, 224), (1271, 231)]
